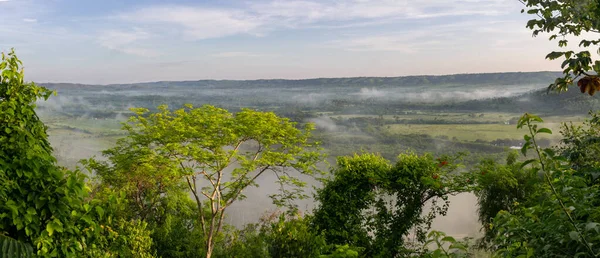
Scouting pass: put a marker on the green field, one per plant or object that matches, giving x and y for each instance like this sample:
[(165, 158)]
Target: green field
[(467, 132)]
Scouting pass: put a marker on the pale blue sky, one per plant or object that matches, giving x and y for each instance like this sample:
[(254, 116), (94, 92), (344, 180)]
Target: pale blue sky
[(114, 41)]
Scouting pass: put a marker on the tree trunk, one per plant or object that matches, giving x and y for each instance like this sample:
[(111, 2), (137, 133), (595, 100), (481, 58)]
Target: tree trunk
[(209, 247)]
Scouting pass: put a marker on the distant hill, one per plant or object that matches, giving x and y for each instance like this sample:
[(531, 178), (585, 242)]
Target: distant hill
[(504, 92), (509, 78)]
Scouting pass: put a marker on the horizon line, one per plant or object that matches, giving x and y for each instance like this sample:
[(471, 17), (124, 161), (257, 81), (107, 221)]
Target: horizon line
[(283, 79)]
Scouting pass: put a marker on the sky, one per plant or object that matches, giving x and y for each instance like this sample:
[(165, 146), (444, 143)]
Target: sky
[(125, 41)]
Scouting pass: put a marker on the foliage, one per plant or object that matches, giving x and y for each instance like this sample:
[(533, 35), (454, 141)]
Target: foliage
[(41, 204), (371, 204), (10, 247), (580, 145), (152, 197), (37, 197), (278, 235), (445, 246), (153, 193), (500, 187), (248, 242), (292, 237), (147, 180), (564, 223), (177, 233), (343, 251), (123, 238), (216, 154), (562, 19)]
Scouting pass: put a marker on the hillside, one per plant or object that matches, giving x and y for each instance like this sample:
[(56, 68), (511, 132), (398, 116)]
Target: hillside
[(506, 92)]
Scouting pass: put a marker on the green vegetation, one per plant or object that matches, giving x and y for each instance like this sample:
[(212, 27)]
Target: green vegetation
[(13, 248), (557, 218), (209, 152), (168, 179), (565, 18), (44, 206), (373, 205)]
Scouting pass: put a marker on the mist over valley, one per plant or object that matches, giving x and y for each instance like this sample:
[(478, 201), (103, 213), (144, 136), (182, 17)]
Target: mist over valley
[(439, 114)]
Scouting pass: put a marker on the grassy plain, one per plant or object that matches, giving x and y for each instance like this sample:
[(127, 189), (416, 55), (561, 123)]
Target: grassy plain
[(464, 126), (466, 132)]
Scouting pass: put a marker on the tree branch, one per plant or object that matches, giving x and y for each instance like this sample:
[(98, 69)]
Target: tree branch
[(558, 197), (198, 203), (235, 196)]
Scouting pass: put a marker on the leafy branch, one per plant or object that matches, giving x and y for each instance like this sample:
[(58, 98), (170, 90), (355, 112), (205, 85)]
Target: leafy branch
[(542, 156)]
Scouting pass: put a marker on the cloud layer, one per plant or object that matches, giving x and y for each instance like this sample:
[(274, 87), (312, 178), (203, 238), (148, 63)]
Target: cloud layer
[(125, 41), (258, 18)]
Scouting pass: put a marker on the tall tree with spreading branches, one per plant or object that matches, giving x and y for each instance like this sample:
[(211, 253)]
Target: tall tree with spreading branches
[(215, 154)]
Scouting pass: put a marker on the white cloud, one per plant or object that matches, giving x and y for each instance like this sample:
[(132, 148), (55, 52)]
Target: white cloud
[(408, 42), (127, 42), (29, 20), (236, 54), (376, 43), (300, 12), (197, 23), (382, 37), (440, 37)]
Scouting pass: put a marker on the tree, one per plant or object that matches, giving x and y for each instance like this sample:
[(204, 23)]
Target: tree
[(36, 197), (46, 209), (564, 18), (499, 187), (292, 237), (214, 153), (372, 204)]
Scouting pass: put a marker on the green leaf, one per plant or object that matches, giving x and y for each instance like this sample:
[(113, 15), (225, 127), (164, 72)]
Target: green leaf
[(10, 247), (50, 228), (458, 246), (527, 162), (525, 148), (549, 152), (100, 211), (554, 55), (544, 130), (54, 226), (31, 211), (574, 235), (591, 225), (449, 239)]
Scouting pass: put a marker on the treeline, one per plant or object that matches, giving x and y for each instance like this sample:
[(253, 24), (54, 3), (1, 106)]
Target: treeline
[(510, 78), (540, 101)]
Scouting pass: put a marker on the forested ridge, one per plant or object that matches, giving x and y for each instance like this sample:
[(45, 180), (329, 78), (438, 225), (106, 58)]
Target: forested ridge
[(508, 92), (454, 79)]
